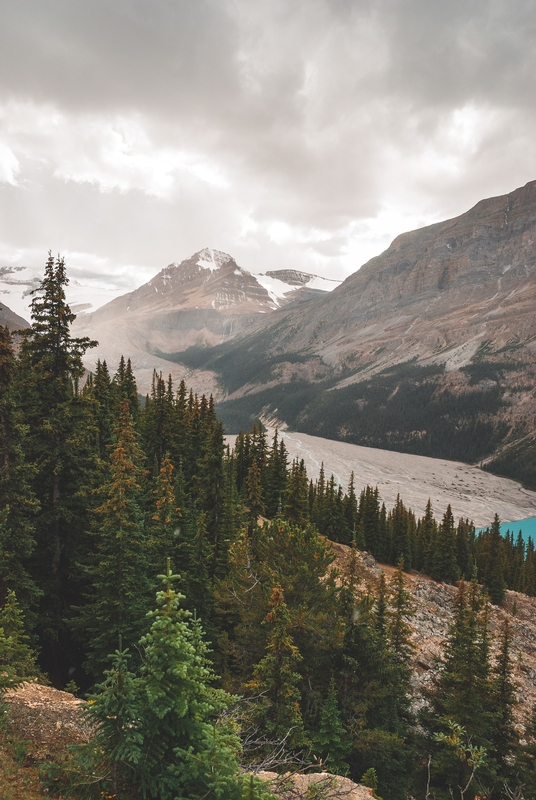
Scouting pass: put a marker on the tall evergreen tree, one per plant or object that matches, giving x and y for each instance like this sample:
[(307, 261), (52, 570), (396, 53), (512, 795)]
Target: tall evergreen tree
[(61, 443), (275, 478), (400, 534), (126, 388), (296, 501), (444, 562), (462, 693), (426, 540), (254, 495), (160, 734), (350, 511), (19, 504), (275, 680), (369, 513), (401, 610), (491, 562), (504, 738), (117, 571), (331, 741), (164, 519), (17, 658), (231, 520), (102, 390)]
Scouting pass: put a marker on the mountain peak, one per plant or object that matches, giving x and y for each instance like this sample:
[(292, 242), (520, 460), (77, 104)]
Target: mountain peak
[(213, 259)]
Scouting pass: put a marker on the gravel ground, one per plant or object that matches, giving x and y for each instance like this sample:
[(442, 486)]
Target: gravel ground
[(470, 491)]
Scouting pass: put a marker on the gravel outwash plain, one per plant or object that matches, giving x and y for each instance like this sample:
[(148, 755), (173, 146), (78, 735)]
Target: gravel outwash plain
[(470, 491)]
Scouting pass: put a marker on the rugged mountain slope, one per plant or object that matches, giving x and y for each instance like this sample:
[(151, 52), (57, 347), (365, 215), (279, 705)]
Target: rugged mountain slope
[(433, 606), (428, 348), (203, 301), (11, 320)]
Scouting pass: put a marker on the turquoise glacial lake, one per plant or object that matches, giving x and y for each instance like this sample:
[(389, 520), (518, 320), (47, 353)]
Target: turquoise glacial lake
[(526, 526)]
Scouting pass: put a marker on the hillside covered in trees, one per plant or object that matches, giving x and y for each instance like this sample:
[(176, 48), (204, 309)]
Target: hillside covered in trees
[(191, 591)]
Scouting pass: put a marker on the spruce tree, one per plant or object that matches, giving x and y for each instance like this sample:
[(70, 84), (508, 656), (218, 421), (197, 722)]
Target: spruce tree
[(374, 696), (400, 534), (369, 513), (231, 520), (296, 501), (350, 511), (275, 479), (198, 580), (164, 519), (491, 563), (444, 561), (17, 658), (162, 734), (254, 495), (102, 391), (462, 693), (426, 540), (117, 571), (109, 765), (125, 387), (19, 504), (210, 469), (401, 610), (61, 443), (331, 741), (465, 556), (190, 749), (275, 679), (504, 738)]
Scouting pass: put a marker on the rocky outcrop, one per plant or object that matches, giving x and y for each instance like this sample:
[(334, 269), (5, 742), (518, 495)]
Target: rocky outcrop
[(323, 785), (48, 720), (432, 616)]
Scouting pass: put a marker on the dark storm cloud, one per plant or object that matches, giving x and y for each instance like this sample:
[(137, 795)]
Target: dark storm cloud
[(263, 127), (116, 54)]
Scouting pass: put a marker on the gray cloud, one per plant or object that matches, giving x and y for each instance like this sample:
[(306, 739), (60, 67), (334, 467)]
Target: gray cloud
[(304, 133)]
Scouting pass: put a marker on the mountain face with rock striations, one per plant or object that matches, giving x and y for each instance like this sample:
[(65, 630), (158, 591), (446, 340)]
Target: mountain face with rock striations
[(10, 320), (205, 300), (429, 348)]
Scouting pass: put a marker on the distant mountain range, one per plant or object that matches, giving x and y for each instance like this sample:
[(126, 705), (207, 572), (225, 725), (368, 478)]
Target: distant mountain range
[(205, 300), (429, 348), (18, 282)]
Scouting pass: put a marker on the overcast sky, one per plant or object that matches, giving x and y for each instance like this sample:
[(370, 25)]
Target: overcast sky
[(289, 133)]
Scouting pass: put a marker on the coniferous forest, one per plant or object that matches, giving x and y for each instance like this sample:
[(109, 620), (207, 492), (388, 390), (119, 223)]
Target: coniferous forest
[(189, 591)]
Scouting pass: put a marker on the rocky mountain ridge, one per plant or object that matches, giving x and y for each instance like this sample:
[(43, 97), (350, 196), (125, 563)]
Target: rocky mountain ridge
[(428, 348)]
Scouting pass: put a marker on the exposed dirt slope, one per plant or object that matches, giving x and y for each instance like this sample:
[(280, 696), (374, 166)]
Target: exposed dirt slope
[(433, 615)]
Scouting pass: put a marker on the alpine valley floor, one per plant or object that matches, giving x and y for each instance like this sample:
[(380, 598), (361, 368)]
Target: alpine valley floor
[(471, 492)]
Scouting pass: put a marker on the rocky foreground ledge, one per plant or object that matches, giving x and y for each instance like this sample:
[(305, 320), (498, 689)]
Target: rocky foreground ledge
[(315, 784), (48, 721)]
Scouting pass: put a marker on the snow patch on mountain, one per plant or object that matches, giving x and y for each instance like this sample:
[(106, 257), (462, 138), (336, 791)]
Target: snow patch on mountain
[(212, 259), (280, 283)]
